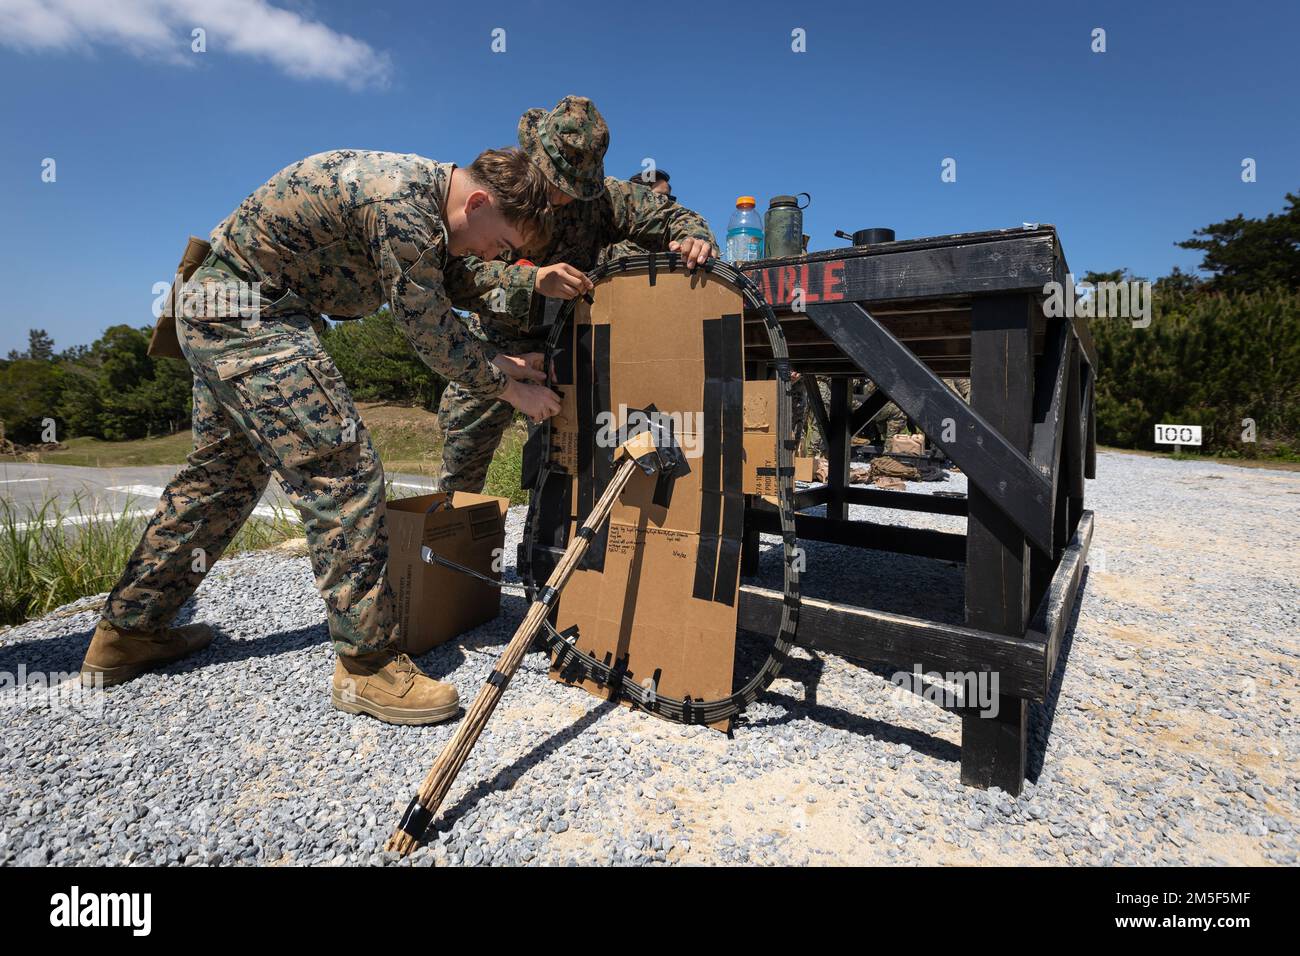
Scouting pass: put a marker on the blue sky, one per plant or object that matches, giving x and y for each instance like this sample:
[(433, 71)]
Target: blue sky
[(1126, 151)]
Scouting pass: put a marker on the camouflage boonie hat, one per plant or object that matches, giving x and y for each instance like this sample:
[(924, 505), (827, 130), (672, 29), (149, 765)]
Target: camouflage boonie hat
[(568, 145)]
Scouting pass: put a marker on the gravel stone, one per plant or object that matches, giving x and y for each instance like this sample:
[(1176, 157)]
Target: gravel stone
[(1173, 724)]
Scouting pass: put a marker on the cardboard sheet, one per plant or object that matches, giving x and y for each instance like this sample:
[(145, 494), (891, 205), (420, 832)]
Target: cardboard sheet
[(660, 591)]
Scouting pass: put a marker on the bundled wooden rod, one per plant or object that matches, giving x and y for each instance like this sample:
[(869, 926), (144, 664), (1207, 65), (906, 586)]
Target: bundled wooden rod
[(419, 814)]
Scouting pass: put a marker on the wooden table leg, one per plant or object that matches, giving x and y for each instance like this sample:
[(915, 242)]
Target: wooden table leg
[(839, 447), (997, 554)]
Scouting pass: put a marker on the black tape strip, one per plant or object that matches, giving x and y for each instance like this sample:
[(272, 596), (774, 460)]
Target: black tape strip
[(601, 465), (498, 679), (416, 819), (586, 433), (553, 517), (653, 268), (548, 595), (706, 559), (586, 533), (733, 459), (535, 456), (616, 675), (562, 361)]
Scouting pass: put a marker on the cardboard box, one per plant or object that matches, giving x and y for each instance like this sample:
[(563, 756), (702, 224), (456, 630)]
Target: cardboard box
[(436, 603), (760, 441)]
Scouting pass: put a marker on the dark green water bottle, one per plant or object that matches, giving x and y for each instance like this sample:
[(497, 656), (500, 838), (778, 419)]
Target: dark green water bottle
[(783, 226)]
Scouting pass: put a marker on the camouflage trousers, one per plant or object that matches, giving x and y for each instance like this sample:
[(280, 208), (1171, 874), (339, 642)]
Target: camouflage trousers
[(472, 428), (267, 398), (895, 422)]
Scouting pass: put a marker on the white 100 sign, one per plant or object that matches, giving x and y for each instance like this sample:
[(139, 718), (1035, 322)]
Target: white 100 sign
[(1178, 434)]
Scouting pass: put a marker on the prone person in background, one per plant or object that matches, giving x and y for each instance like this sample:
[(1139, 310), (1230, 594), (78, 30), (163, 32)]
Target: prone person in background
[(341, 233)]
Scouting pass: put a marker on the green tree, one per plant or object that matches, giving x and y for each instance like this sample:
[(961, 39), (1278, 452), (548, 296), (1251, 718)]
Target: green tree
[(40, 346), (378, 363), (1215, 360), (139, 396), (79, 404), (29, 398), (1249, 255)]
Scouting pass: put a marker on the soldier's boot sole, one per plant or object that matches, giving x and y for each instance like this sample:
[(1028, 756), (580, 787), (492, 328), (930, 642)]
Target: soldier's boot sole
[(394, 715), (93, 676)]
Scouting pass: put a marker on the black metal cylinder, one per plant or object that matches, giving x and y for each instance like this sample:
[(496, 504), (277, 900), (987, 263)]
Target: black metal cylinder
[(869, 237)]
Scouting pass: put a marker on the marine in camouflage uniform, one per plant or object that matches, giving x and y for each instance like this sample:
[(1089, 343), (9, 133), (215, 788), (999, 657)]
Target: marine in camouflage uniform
[(892, 421), (340, 233), (659, 186), (568, 143)]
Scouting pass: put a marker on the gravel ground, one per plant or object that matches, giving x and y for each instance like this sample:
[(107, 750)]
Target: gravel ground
[(1173, 725)]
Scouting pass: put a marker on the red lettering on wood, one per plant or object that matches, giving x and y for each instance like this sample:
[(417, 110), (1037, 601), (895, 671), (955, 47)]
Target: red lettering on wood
[(809, 295), (833, 281)]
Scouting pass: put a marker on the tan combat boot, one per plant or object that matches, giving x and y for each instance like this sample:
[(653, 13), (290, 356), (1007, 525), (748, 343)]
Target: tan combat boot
[(388, 685), (115, 656)]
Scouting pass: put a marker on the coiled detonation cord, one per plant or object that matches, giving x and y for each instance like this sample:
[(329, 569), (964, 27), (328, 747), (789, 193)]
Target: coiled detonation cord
[(565, 654)]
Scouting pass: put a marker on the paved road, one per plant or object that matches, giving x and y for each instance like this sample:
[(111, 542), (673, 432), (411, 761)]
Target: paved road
[(110, 491)]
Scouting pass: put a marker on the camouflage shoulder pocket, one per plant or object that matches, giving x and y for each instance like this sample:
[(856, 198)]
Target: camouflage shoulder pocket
[(300, 409)]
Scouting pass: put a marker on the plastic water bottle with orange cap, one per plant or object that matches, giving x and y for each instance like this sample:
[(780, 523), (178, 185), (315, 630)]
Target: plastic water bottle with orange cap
[(745, 232)]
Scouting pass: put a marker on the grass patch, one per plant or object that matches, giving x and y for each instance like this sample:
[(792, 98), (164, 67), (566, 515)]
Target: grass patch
[(94, 453), (57, 552), (507, 464), (407, 438)]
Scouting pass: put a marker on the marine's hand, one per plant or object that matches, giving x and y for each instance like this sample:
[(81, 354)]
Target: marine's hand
[(695, 251), (522, 368), (535, 401), (562, 281)]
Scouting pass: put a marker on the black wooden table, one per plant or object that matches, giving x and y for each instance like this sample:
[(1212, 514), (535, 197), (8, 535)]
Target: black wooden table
[(905, 315)]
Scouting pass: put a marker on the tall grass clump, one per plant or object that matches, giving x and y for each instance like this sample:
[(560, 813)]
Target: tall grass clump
[(56, 552)]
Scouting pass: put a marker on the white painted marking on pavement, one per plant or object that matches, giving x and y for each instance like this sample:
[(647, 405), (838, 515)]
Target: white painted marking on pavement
[(261, 511), (83, 519), (146, 491)]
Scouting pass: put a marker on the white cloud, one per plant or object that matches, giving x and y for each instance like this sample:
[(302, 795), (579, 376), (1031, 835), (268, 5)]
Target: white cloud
[(161, 29)]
